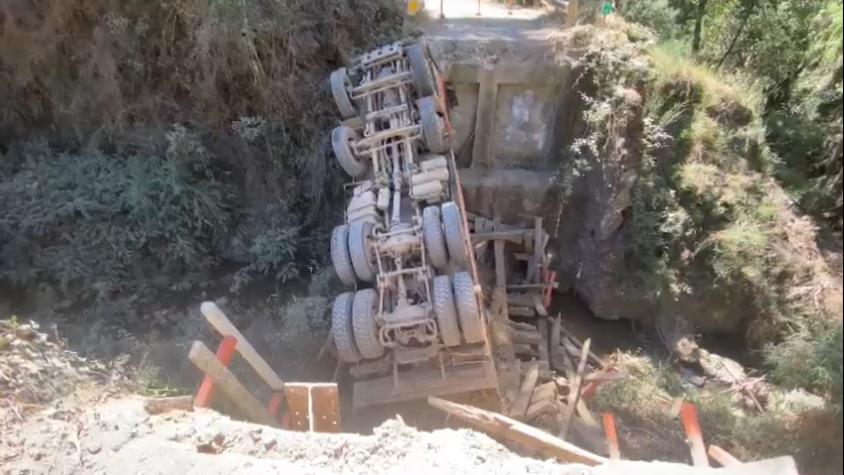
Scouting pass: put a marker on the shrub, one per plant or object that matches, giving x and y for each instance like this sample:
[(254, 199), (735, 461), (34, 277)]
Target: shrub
[(104, 223), (658, 15), (811, 357)]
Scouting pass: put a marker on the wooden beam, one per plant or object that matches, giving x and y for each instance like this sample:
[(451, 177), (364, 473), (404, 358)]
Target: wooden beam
[(721, 456), (544, 391), (532, 338), (521, 311), (516, 236), (556, 358), (500, 269), (228, 383), (542, 324), (526, 390), (218, 320), (574, 394), (539, 407), (519, 433)]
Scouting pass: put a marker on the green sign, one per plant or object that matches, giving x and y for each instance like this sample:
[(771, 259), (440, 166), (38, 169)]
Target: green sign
[(607, 8)]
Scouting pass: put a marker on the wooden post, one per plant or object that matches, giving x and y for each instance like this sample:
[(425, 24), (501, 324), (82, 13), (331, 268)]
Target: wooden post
[(218, 320), (523, 401), (688, 414), (522, 434), (574, 395), (571, 13), (202, 357), (612, 436), (723, 457), (224, 353)]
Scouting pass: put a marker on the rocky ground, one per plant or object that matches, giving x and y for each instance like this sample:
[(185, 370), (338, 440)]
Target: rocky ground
[(63, 414)]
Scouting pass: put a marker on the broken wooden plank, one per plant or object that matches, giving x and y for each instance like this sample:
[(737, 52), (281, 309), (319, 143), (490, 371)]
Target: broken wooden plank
[(579, 344), (516, 236), (523, 400), (721, 456), (228, 383), (538, 408), (524, 349), (522, 434), (521, 311), (535, 261), (529, 327), (542, 324), (520, 299), (500, 265), (584, 413), (574, 394), (539, 306), (554, 344), (531, 338), (544, 391), (218, 320)]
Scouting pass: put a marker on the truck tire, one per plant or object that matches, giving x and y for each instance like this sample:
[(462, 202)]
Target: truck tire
[(445, 311), (454, 232), (339, 80), (340, 257), (341, 328), (433, 126), (341, 138), (432, 235), (360, 251), (420, 69), (364, 309), (467, 308)]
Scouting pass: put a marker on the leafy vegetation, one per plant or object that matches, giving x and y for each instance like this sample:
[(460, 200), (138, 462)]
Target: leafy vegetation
[(791, 51), (144, 145)]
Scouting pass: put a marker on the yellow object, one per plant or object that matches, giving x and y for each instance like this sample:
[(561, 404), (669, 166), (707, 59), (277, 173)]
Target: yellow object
[(413, 7)]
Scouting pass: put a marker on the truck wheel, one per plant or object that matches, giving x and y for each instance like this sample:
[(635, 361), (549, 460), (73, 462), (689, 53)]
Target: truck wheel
[(360, 251), (341, 328), (341, 142), (340, 257), (454, 232), (364, 308), (445, 311), (433, 126), (467, 308), (432, 234), (420, 69), (339, 82)]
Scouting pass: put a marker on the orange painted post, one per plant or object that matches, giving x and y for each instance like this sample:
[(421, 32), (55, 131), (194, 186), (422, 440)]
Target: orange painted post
[(224, 353), (612, 436), (688, 414), (550, 279)]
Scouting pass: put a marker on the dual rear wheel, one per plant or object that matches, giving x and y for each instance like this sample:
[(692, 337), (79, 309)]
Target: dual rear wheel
[(354, 327)]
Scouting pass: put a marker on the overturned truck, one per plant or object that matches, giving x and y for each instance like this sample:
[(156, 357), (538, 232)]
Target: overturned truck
[(414, 325)]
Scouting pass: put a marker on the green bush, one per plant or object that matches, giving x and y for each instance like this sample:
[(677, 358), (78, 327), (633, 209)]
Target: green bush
[(655, 14), (104, 223), (811, 357)]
